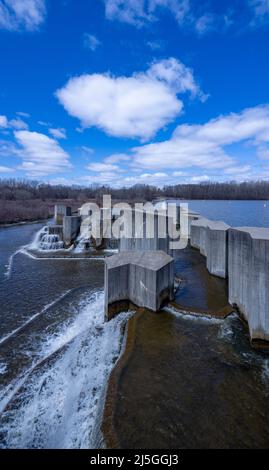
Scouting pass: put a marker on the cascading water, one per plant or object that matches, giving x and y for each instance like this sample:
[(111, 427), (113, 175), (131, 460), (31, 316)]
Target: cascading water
[(46, 241)]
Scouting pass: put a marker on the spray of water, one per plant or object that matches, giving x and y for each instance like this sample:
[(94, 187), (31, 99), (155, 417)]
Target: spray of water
[(59, 403)]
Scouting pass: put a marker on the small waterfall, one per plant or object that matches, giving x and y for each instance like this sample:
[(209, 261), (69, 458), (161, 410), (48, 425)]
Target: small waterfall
[(44, 240), (50, 242)]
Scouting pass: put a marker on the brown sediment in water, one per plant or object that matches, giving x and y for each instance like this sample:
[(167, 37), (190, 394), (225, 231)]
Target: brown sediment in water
[(179, 385), (108, 425)]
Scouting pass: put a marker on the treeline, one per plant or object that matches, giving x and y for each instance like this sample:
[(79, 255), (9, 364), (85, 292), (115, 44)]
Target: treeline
[(23, 200), (24, 190)]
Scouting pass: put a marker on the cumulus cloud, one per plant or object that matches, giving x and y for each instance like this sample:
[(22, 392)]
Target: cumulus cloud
[(260, 7), (91, 42), (138, 12), (3, 122), (18, 15), (205, 146), (136, 106), (23, 114), (117, 157), (189, 14), (17, 124), (5, 169), (59, 133), (103, 167), (41, 154)]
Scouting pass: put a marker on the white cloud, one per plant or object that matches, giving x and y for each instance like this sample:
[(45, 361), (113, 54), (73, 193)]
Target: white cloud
[(205, 23), (205, 146), (117, 157), (18, 124), (91, 42), (3, 122), (260, 7), (87, 150), (22, 114), (44, 123), (199, 179), (139, 12), (5, 169), (136, 106), (59, 133), (18, 15), (41, 154), (102, 167)]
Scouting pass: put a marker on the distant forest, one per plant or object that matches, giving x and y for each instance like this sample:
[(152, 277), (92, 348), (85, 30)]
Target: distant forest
[(23, 200)]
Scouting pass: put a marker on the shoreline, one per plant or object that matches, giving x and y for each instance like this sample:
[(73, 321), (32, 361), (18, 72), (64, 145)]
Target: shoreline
[(23, 222), (107, 427)]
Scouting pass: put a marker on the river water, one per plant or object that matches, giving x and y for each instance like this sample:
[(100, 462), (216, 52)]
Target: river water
[(56, 352)]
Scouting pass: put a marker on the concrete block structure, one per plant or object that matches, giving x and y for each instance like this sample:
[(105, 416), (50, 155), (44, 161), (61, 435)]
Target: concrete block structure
[(211, 239), (144, 278), (55, 230), (71, 226), (60, 211), (217, 249), (248, 273), (141, 241)]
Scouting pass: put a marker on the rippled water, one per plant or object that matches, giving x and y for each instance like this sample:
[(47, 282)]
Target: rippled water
[(56, 353), (234, 213)]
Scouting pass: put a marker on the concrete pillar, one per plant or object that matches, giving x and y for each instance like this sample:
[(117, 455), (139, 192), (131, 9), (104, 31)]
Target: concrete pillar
[(248, 272), (211, 239), (143, 278), (71, 225), (60, 210)]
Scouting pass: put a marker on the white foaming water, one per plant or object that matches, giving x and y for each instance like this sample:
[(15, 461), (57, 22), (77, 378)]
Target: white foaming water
[(60, 401), (197, 317), (9, 264), (44, 310), (3, 368)]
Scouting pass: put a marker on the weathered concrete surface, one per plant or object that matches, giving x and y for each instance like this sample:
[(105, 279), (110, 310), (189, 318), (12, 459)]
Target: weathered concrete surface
[(71, 225), (60, 210), (143, 278), (157, 226), (248, 274), (211, 238)]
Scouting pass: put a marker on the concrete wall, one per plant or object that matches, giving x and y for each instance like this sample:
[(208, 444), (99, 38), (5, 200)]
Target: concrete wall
[(248, 273), (141, 242), (142, 278), (60, 210), (71, 225), (211, 238)]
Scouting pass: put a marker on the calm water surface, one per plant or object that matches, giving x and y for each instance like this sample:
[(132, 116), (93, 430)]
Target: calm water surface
[(56, 353)]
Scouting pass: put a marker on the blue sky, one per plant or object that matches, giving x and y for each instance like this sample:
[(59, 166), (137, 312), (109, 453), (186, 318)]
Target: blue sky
[(125, 92)]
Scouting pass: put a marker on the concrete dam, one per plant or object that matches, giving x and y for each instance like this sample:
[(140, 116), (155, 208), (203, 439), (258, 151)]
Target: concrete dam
[(142, 273)]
